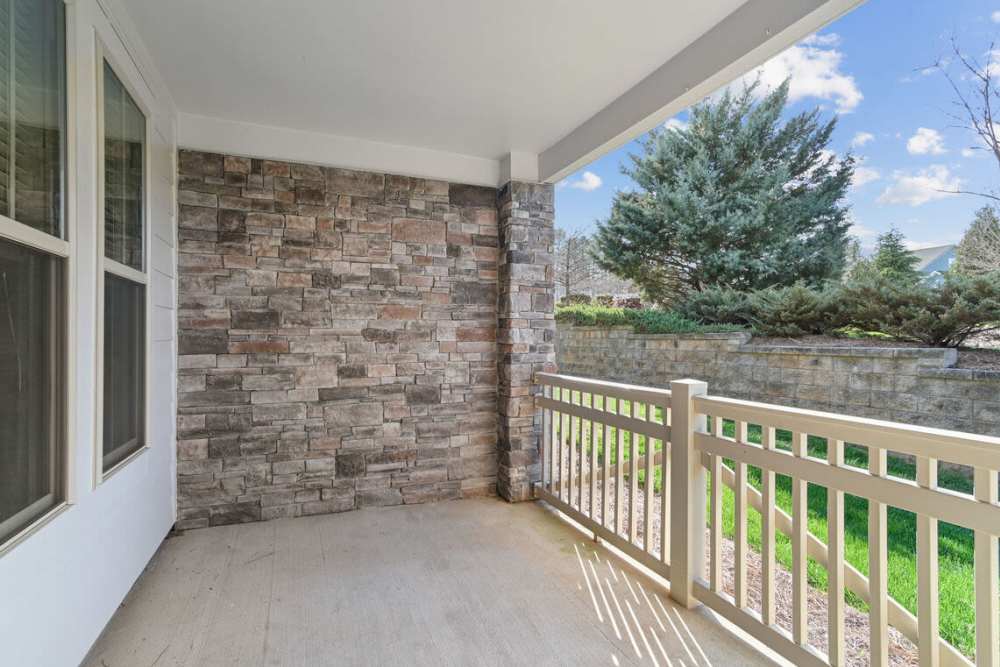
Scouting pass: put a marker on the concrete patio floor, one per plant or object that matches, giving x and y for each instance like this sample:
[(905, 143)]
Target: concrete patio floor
[(471, 582)]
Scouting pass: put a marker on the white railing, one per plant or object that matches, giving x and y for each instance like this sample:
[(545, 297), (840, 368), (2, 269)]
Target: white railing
[(599, 436)]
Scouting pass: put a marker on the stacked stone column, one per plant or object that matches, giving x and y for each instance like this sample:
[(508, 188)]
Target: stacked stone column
[(525, 328)]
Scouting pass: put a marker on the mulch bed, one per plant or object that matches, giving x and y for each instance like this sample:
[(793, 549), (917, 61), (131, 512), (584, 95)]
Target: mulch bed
[(979, 358)]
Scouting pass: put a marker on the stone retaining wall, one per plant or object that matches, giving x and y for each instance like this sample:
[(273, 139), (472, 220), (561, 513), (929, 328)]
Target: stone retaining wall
[(911, 385), (338, 338)]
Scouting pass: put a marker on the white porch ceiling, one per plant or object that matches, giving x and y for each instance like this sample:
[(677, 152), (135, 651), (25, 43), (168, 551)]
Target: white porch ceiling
[(471, 78)]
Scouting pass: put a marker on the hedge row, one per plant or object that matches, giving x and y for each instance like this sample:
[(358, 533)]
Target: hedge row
[(944, 315), (643, 321)]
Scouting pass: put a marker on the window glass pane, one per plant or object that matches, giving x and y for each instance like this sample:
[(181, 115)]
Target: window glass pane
[(32, 112), (31, 400), (124, 147), (124, 368)]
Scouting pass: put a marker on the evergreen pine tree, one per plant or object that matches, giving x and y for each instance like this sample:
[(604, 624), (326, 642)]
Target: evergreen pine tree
[(893, 260), (739, 199), (979, 251)]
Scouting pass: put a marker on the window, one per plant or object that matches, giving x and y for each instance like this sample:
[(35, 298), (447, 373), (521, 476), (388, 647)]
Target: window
[(124, 367), (124, 278), (34, 253)]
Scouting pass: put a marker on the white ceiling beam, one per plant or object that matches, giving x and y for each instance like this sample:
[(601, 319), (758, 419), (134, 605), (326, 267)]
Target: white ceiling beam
[(743, 40), (278, 143), (519, 166)]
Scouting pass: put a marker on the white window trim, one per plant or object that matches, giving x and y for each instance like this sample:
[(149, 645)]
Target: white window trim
[(104, 264), (64, 248)]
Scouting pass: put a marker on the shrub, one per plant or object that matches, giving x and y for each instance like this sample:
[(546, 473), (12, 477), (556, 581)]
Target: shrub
[(574, 300), (668, 321), (605, 300), (592, 316), (717, 305), (629, 302), (797, 310), (643, 321), (941, 316)]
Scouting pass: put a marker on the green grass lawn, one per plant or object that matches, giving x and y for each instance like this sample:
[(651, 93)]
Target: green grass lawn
[(956, 576)]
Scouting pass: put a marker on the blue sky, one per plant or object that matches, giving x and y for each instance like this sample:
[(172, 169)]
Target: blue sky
[(870, 69)]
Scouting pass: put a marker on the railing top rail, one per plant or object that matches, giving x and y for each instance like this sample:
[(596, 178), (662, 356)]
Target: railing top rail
[(952, 446), (614, 389)]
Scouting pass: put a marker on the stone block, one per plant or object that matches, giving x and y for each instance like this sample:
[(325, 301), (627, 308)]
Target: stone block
[(234, 513), (474, 293), (472, 195), (422, 394), (351, 415), (355, 183), (255, 319), (197, 163), (269, 413), (410, 230)]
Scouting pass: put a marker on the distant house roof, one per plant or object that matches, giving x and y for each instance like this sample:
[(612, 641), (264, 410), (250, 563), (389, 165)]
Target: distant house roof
[(935, 258)]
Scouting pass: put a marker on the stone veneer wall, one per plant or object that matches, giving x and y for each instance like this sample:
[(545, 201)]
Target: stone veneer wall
[(911, 385), (338, 338), (526, 337)]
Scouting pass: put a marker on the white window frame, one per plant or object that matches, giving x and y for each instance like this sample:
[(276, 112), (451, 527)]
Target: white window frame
[(62, 248), (104, 264)]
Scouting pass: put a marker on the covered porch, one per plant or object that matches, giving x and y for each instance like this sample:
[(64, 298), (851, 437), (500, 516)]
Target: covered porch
[(471, 582)]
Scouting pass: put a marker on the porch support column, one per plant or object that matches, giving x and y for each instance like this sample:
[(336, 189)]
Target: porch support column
[(525, 328)]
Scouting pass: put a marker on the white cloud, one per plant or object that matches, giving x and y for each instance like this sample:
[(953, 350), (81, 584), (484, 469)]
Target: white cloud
[(862, 138), (995, 17), (813, 66), (968, 152), (588, 182), (676, 124), (926, 142), (916, 189), (864, 175), (830, 39)]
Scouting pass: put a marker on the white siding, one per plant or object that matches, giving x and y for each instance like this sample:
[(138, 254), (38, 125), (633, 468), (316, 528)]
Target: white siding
[(62, 584)]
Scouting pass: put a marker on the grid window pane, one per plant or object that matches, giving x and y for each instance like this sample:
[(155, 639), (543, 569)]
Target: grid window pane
[(31, 400), (32, 112), (124, 148), (124, 368)]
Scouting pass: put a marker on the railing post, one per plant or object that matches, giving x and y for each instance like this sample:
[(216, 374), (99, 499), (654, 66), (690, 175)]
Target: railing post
[(687, 488)]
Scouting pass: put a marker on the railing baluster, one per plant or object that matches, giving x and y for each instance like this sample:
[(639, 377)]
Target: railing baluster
[(620, 477), (594, 430), (633, 479), (574, 423), (987, 587), (665, 463), (835, 560), (767, 537), (546, 435), (647, 540), (556, 449), (927, 571), (586, 427), (878, 574), (564, 457), (800, 610), (557, 418), (715, 544), (606, 472), (741, 510)]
